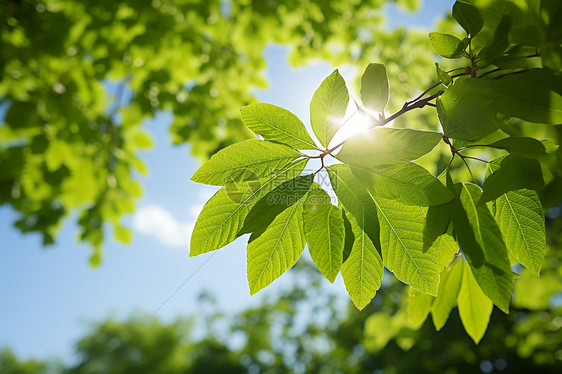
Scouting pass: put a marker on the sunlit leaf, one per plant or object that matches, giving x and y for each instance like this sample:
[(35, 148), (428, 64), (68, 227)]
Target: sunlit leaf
[(401, 235), (362, 272), (512, 173), (419, 305), (466, 111), (408, 183), (353, 196), (443, 76), (273, 203), (446, 299), (250, 159), (328, 107), (469, 17), (375, 87), (446, 45), (482, 243), (520, 217), (324, 232), (223, 215), (535, 96), (277, 249), (383, 146), (277, 124), (521, 146), (475, 307)]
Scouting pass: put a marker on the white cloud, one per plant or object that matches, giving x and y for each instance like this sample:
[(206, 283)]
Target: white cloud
[(155, 221)]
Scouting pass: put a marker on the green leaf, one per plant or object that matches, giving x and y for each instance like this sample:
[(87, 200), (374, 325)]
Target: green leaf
[(551, 56), (277, 124), (535, 293), (141, 139), (533, 96), (324, 232), (224, 214), (446, 299), (362, 272), (475, 307), (482, 243), (549, 146), (273, 203), (419, 305), (514, 173), (384, 146), (520, 217), (444, 247), (353, 195), (446, 45), (408, 183), (520, 146), (277, 249), (122, 234), (375, 87), (466, 111), (401, 236), (349, 237), (437, 222), (443, 76), (249, 159), (499, 43), (469, 17), (328, 107)]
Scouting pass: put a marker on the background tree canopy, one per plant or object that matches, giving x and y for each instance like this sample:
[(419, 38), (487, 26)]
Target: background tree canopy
[(306, 330), (67, 145)]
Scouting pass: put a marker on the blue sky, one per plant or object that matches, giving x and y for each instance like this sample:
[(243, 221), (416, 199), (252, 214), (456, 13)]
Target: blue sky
[(48, 296)]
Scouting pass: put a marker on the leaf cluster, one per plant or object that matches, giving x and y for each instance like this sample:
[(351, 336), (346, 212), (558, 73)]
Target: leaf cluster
[(453, 241)]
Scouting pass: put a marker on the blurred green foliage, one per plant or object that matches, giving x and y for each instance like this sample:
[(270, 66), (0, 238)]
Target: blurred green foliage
[(305, 329), (68, 144)]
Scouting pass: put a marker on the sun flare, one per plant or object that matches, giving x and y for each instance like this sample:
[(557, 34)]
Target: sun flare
[(354, 122)]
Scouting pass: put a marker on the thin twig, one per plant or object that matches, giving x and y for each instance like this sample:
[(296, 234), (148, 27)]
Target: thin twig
[(468, 167), (476, 158), (489, 72), (511, 73)]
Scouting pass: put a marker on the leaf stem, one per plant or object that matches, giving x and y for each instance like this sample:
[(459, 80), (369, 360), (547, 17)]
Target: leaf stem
[(468, 167)]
